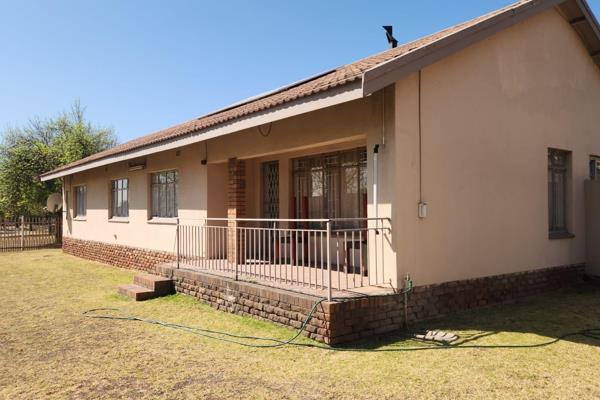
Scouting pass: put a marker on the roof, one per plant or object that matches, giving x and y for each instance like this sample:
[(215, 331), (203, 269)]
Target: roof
[(376, 65)]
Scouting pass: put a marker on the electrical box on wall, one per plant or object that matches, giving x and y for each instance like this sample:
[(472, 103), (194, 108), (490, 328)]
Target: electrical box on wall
[(594, 168), (422, 210)]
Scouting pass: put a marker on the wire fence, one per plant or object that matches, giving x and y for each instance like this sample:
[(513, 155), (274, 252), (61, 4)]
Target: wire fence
[(26, 233)]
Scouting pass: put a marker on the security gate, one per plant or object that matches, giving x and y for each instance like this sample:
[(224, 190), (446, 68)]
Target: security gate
[(270, 179)]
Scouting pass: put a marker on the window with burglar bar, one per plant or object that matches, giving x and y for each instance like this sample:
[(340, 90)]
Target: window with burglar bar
[(80, 201), (120, 198), (332, 185), (164, 194), (558, 169)]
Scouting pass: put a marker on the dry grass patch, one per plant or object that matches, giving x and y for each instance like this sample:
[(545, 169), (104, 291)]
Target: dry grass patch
[(49, 350)]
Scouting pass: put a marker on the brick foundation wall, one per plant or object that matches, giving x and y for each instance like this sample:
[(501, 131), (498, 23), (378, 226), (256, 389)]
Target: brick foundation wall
[(117, 255), (430, 301), (333, 322), (354, 319), (339, 321)]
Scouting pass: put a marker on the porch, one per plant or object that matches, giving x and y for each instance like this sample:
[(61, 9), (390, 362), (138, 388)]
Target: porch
[(338, 258), (304, 218)]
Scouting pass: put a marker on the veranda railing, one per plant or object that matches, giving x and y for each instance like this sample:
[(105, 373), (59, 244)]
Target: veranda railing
[(326, 254)]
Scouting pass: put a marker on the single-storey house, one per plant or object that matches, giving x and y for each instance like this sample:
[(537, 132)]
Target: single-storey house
[(456, 162)]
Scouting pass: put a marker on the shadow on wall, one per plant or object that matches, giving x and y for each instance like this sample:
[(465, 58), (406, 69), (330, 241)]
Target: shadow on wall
[(547, 317)]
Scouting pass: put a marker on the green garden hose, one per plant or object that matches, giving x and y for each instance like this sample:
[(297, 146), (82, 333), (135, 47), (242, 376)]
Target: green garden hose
[(223, 336), (591, 333)]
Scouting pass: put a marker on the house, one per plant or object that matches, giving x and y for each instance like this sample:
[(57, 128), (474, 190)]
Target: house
[(457, 160)]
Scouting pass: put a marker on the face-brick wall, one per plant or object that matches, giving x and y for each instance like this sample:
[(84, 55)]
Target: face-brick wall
[(333, 322), (236, 208), (450, 297), (119, 256)]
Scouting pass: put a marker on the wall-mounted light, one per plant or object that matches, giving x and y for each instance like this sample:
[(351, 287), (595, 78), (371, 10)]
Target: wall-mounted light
[(204, 161)]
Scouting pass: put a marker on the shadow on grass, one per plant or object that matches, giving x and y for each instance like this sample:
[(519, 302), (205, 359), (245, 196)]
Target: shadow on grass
[(531, 321)]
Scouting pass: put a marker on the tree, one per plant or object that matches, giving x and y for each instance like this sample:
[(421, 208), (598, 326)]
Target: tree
[(38, 147)]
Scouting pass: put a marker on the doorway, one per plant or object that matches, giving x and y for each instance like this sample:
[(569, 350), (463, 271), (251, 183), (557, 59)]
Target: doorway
[(270, 190)]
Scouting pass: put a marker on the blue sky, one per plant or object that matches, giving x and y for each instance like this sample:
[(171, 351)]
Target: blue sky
[(139, 66)]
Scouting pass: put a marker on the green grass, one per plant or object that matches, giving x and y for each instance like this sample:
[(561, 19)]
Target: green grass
[(49, 350)]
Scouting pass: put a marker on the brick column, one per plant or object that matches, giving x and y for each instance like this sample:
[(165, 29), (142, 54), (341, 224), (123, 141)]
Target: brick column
[(236, 208)]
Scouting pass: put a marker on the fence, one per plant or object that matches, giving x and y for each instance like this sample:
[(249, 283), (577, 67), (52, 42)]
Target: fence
[(288, 252), (23, 233)]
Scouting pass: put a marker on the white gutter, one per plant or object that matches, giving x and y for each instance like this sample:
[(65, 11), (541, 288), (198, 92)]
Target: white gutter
[(328, 98)]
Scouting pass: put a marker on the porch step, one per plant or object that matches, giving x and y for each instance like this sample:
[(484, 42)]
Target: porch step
[(160, 285), (146, 286), (136, 292)]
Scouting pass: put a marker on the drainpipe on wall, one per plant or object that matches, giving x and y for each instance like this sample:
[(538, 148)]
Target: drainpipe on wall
[(376, 159), (422, 210), (375, 181)]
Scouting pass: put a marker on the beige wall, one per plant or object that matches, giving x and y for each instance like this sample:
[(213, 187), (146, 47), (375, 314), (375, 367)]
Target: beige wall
[(348, 121), (218, 183), (203, 188), (137, 230), (489, 115)]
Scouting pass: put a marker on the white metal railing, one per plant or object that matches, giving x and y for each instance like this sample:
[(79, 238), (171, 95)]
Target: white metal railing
[(311, 253)]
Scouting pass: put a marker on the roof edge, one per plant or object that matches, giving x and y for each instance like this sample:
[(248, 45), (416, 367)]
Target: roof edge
[(338, 95), (267, 93), (590, 16), (352, 86), (594, 27), (393, 70)]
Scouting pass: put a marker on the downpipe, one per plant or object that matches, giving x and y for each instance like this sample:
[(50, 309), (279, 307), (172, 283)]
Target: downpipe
[(376, 184)]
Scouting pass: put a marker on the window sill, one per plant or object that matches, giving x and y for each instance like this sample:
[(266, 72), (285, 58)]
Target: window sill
[(163, 221), (119, 220), (560, 235), (79, 219)]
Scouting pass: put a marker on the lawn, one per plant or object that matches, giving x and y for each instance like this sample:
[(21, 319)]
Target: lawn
[(49, 350)]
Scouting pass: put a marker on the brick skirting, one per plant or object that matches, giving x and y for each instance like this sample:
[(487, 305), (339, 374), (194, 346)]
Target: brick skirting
[(338, 321), (333, 322), (117, 255), (431, 301)]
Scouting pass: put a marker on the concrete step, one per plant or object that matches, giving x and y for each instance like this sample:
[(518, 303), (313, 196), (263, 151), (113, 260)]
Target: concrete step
[(136, 292), (161, 285)]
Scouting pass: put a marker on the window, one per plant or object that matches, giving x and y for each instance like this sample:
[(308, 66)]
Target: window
[(119, 198), (80, 201), (595, 168), (164, 194), (558, 170), (331, 185)]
